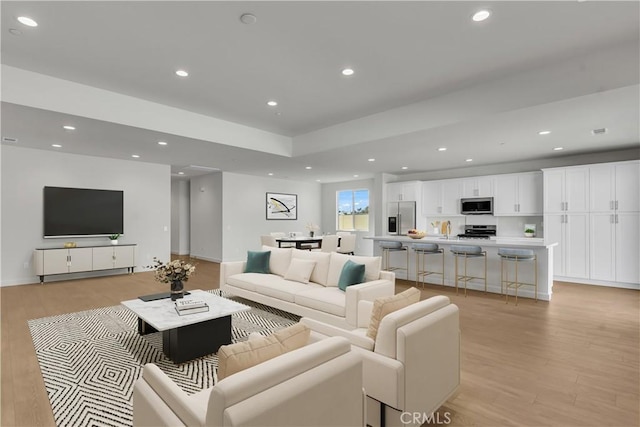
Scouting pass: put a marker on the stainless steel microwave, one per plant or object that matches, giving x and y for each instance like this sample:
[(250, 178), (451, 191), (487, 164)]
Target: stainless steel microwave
[(477, 206)]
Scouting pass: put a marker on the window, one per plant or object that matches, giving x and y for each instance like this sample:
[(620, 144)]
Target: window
[(353, 210)]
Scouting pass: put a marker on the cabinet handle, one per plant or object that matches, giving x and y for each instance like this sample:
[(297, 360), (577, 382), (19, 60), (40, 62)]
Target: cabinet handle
[(616, 218), (610, 219), (611, 204), (566, 206), (616, 206), (566, 219), (515, 207), (518, 207)]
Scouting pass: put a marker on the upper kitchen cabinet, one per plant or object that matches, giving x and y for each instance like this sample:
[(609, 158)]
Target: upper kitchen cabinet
[(478, 186), (566, 190), (614, 187), (518, 194), (441, 197), (403, 191)]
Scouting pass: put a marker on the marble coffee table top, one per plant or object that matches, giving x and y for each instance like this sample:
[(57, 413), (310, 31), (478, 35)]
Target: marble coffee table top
[(162, 315)]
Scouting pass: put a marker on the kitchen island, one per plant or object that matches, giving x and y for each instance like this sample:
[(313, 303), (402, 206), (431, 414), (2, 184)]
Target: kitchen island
[(543, 250)]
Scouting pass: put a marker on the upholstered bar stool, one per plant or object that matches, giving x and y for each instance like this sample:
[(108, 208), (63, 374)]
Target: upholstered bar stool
[(516, 256), (466, 253), (387, 249), (422, 250)]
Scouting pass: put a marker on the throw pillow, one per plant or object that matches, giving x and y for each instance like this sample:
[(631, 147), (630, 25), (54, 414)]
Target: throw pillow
[(257, 262), (351, 274), (385, 305), (300, 270), (239, 356)]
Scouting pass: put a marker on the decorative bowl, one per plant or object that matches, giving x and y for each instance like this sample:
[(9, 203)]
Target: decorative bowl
[(417, 235)]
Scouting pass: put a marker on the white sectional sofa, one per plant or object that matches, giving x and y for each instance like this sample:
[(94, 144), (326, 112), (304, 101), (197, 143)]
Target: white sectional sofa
[(320, 298)]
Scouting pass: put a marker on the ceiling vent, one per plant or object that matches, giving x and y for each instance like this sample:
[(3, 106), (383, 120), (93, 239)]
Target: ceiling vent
[(200, 168), (7, 139), (600, 131)]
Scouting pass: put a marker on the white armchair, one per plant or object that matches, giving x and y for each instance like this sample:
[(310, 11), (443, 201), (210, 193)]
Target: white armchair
[(414, 363), (319, 384)]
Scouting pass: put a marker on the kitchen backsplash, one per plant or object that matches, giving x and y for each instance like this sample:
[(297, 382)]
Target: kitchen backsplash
[(508, 226)]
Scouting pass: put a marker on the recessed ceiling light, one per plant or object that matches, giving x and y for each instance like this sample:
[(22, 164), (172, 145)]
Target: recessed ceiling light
[(317, 180), (25, 20), (468, 160), (308, 167), (272, 103), (600, 131), (544, 132), (355, 176), (180, 173), (558, 148), (162, 143), (481, 15), (248, 18), (67, 127), (405, 167), (348, 72), (442, 149), (270, 174), (135, 156), (182, 73), (56, 145), (371, 160)]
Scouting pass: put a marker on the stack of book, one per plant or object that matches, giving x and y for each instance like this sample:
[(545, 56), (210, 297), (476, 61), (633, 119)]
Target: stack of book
[(191, 306)]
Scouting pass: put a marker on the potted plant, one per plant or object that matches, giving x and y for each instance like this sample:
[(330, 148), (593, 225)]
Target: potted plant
[(529, 232), (114, 238)]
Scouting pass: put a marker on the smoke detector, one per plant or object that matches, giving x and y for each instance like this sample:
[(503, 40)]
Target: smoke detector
[(600, 131)]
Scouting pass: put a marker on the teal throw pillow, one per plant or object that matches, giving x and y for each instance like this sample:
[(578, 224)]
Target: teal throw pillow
[(352, 274), (258, 262)]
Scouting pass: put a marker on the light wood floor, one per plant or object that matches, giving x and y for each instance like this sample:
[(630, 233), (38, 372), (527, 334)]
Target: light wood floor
[(572, 362)]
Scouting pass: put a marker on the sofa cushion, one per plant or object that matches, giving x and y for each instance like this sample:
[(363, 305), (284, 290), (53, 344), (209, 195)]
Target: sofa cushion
[(321, 270), (300, 270), (352, 274), (257, 262), (249, 281), (280, 259), (371, 267), (385, 305), (236, 357), (285, 290), (329, 300)]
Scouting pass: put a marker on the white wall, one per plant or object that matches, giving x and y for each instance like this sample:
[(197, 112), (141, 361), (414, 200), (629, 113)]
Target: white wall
[(180, 217), (206, 217), (147, 205), (329, 209), (244, 211)]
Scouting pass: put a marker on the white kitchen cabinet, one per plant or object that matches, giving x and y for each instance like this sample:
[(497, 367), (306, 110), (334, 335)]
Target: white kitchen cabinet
[(75, 260), (614, 187), (441, 198), (403, 191), (571, 231), (615, 247), (478, 186), (566, 189), (518, 194), (109, 257)]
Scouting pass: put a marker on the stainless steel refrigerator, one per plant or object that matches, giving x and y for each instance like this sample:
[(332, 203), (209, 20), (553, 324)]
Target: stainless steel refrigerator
[(401, 217)]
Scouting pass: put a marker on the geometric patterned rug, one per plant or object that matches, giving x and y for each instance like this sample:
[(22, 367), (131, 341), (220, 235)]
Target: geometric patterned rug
[(90, 360)]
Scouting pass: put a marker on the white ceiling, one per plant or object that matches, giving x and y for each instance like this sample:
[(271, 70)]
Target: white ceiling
[(426, 76)]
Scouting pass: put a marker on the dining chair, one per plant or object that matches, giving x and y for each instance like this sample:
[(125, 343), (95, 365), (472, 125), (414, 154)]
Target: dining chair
[(329, 243), (268, 241), (347, 244)]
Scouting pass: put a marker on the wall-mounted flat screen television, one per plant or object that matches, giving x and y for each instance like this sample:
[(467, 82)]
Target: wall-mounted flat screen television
[(76, 212)]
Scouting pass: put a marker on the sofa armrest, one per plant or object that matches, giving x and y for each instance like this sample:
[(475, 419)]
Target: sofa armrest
[(328, 330), (186, 409), (229, 268), (364, 313), (365, 291), (383, 378), (388, 275)]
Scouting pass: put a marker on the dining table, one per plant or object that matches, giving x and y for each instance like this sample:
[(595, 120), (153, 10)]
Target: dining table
[(301, 242)]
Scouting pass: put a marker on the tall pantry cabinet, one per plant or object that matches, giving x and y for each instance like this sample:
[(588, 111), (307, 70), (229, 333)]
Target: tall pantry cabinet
[(593, 212)]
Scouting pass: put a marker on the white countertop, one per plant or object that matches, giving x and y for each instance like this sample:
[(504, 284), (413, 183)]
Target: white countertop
[(162, 315), (521, 242)]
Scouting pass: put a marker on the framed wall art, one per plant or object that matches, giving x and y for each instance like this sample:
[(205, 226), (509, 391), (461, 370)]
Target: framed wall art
[(282, 206)]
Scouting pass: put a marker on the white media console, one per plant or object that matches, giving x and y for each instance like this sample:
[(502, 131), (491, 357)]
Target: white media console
[(50, 261)]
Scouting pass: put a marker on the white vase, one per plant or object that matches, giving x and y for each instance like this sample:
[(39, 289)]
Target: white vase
[(114, 242)]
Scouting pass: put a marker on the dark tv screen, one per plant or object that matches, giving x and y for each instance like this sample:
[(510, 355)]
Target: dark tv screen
[(82, 212)]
